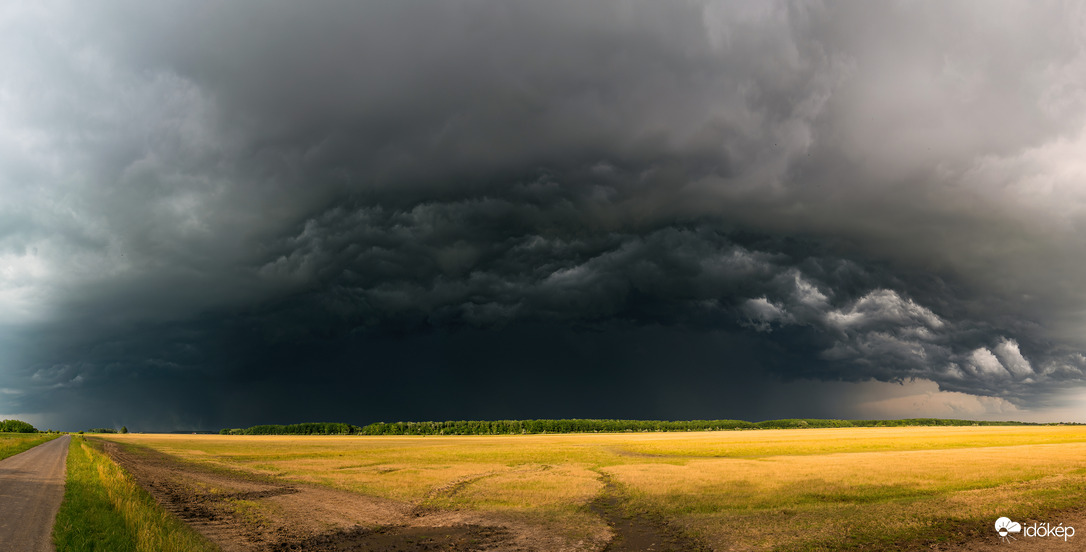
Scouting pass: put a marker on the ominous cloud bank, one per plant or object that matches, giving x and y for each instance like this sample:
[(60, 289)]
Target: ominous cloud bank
[(222, 214)]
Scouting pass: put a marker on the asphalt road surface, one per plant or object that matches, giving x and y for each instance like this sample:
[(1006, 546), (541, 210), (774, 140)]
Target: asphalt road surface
[(31, 488)]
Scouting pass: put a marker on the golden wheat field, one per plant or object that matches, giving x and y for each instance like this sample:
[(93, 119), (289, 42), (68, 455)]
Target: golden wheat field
[(805, 489)]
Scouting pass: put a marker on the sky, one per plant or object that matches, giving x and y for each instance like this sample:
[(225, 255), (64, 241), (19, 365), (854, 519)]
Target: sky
[(220, 214)]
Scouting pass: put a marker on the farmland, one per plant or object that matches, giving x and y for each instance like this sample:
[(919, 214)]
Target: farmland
[(809, 489)]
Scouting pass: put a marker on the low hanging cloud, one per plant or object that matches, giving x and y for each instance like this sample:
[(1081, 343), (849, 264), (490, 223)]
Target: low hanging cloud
[(696, 277)]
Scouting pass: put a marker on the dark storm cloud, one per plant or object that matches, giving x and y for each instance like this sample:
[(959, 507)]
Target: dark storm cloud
[(861, 320), (213, 198)]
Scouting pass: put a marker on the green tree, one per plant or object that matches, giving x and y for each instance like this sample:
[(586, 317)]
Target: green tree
[(16, 426)]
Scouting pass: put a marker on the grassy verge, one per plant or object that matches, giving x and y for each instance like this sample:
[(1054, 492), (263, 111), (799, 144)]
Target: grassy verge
[(14, 443), (104, 510)]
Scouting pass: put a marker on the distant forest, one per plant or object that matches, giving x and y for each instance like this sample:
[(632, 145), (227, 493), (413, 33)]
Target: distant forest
[(296, 429), (507, 427), (16, 426)]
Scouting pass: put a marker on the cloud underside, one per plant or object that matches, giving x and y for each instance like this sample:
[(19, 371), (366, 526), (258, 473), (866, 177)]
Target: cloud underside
[(856, 195)]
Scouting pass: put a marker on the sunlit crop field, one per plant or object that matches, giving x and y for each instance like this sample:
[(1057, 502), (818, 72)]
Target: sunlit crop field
[(767, 489)]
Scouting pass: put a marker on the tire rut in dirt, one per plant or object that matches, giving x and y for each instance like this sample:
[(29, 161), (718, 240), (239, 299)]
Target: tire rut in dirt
[(457, 538), (638, 531)]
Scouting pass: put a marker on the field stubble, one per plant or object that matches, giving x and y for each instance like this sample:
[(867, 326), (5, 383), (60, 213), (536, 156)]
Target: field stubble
[(811, 489)]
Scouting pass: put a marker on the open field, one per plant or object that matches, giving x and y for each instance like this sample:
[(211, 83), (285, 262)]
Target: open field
[(813, 489), (14, 443)]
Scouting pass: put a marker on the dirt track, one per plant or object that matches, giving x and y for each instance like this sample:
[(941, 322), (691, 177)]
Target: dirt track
[(31, 488), (247, 513), (637, 532)]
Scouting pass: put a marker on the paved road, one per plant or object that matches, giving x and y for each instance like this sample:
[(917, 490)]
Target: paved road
[(31, 488)]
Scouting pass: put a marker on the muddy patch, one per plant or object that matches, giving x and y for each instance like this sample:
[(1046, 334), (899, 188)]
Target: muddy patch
[(460, 538), (638, 531)]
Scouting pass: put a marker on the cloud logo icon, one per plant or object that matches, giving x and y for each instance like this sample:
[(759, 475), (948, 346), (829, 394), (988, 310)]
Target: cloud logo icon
[(1005, 527)]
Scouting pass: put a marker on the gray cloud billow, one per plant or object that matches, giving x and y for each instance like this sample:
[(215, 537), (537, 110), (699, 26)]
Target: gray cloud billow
[(864, 319), (220, 194)]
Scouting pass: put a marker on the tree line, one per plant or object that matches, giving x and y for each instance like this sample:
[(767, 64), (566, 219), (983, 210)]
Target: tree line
[(16, 426), (502, 427), (506, 427), (124, 429), (317, 428)]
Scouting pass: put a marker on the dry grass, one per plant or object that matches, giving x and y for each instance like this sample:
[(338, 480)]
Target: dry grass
[(103, 509), (776, 500), (806, 489)]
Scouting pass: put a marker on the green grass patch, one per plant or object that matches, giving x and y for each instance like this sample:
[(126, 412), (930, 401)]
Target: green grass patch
[(14, 443), (105, 510)]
